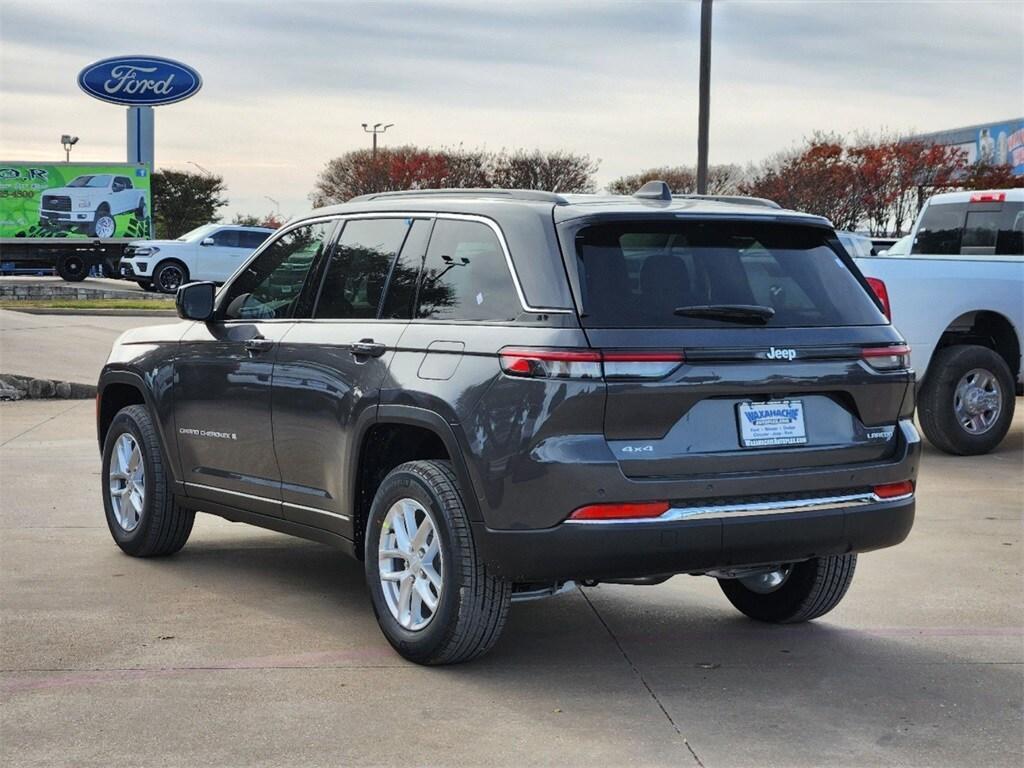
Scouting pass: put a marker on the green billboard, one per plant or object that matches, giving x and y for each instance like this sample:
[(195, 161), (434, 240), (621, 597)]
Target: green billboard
[(101, 201)]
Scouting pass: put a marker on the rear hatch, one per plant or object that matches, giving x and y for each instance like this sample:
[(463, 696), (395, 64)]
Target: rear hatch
[(736, 345)]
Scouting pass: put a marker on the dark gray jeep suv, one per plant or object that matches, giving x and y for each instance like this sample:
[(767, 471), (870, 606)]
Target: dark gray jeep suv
[(489, 396)]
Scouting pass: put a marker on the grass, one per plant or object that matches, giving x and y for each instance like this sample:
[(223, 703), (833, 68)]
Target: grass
[(139, 304)]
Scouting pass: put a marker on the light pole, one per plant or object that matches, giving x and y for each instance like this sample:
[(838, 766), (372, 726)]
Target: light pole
[(705, 97), (68, 141), (377, 129)]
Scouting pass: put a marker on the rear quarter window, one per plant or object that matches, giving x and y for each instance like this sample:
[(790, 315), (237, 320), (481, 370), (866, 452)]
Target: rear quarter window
[(638, 274)]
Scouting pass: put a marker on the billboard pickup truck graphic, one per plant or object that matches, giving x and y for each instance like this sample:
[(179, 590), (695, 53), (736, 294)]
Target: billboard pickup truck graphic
[(92, 201)]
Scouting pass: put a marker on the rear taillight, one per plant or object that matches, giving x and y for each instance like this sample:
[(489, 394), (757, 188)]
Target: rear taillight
[(621, 511), (878, 286), (894, 490), (540, 363), (988, 197), (892, 358)]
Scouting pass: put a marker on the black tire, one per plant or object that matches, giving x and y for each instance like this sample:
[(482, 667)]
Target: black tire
[(936, 403), (100, 221), (163, 527), (812, 589), (146, 285), (169, 276), (473, 604), (72, 268)]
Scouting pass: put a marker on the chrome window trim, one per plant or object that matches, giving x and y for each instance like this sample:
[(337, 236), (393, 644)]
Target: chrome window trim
[(751, 509), (254, 497)]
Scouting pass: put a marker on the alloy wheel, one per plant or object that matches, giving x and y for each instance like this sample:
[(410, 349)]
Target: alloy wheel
[(411, 564), (977, 401), (127, 482)]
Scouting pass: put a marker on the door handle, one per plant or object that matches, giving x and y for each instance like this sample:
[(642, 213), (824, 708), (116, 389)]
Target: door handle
[(368, 348), (258, 344)]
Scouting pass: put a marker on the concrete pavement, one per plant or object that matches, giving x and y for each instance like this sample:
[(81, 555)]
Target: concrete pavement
[(63, 347), (252, 648)]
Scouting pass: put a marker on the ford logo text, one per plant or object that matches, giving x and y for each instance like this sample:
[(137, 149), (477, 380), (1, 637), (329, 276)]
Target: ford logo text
[(139, 81)]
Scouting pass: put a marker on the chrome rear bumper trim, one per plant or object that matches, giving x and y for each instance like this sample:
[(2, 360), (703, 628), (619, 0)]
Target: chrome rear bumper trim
[(751, 509)]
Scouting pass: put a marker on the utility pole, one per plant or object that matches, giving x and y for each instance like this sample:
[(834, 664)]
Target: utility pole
[(377, 129), (705, 97)]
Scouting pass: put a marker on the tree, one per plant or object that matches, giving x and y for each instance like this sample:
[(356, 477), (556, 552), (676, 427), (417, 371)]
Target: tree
[(184, 201), (682, 180), (360, 172), (558, 171), (270, 220), (983, 175)]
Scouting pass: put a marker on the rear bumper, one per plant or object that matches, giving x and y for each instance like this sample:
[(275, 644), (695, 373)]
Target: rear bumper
[(625, 550), (694, 542)]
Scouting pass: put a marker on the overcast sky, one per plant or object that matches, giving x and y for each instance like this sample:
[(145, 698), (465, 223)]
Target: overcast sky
[(287, 84)]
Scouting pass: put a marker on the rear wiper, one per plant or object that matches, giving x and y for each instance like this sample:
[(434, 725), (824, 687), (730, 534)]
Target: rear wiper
[(738, 313)]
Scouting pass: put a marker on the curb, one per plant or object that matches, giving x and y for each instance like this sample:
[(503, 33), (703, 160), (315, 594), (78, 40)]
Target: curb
[(14, 387)]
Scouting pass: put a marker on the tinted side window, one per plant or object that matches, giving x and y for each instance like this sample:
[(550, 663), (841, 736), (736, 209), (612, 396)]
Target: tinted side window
[(465, 276), (252, 240), (941, 229), (226, 238), (401, 291), (1011, 231), (359, 268), (270, 284)]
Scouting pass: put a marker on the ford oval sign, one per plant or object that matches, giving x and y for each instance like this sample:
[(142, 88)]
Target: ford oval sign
[(139, 81)]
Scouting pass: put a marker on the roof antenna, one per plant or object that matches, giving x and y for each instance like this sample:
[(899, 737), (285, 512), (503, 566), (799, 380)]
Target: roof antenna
[(654, 190)]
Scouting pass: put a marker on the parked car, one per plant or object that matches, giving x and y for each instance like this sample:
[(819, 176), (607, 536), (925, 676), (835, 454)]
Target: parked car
[(958, 297), (899, 247), (211, 252), (91, 202), (856, 244), (488, 396)]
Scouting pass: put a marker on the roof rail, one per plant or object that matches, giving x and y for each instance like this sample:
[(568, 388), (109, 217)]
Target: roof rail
[(514, 194), (654, 190), (763, 202)]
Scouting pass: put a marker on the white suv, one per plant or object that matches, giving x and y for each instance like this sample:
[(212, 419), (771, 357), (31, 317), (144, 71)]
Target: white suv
[(92, 201), (210, 252)]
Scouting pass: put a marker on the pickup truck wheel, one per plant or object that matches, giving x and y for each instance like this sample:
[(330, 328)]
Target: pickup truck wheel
[(72, 268), (169, 276), (141, 512), (104, 224), (794, 593), (435, 601), (967, 400)]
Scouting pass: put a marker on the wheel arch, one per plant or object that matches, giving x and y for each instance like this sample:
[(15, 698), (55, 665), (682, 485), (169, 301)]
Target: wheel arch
[(118, 389), (401, 433), (986, 328)]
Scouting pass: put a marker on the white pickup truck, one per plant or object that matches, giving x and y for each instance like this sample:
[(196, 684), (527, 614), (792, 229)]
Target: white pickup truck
[(958, 299), (91, 202)]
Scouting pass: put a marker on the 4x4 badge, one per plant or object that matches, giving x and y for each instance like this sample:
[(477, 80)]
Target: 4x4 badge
[(780, 354)]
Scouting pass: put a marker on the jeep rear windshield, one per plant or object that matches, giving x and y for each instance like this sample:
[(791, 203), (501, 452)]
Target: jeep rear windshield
[(711, 274)]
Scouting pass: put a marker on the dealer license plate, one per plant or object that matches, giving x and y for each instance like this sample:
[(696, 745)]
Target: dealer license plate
[(780, 422)]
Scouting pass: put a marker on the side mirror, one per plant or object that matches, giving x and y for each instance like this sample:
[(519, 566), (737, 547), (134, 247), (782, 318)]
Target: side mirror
[(207, 241), (194, 301)]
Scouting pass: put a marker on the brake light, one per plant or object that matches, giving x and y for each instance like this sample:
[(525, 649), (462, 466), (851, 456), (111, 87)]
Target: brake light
[(621, 511), (894, 490), (988, 197), (588, 364), (892, 358), (878, 286)]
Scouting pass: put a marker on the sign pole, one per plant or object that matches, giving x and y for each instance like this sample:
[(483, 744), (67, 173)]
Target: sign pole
[(140, 135)]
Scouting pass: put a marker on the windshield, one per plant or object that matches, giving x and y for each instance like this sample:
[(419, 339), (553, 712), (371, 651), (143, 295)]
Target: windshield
[(102, 180), (199, 233), (657, 274)]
